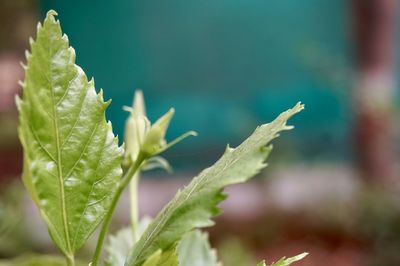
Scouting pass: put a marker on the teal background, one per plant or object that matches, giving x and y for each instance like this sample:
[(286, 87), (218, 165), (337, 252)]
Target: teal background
[(226, 66)]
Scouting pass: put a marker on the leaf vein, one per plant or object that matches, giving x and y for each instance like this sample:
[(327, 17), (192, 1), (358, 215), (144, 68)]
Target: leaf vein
[(76, 121), (90, 193), (82, 152), (41, 145)]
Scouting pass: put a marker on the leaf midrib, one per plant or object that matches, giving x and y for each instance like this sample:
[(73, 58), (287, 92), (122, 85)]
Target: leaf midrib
[(180, 201), (59, 168)]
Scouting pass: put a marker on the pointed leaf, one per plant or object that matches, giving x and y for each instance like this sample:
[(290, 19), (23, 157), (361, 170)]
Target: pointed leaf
[(261, 263), (288, 261), (196, 204), (156, 162), (194, 250), (71, 157)]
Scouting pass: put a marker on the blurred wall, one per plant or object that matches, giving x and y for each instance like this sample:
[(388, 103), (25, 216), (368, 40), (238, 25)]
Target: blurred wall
[(17, 23), (226, 66)]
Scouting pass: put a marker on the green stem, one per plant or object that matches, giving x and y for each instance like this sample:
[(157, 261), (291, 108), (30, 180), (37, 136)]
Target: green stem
[(70, 260), (107, 219), (134, 205)]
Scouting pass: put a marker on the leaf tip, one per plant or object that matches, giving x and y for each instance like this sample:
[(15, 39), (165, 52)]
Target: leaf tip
[(72, 52), (27, 54), (229, 148), (21, 83), (299, 107), (127, 109), (39, 26), (65, 38), (17, 100), (193, 133), (22, 64), (302, 255), (51, 14), (108, 102), (138, 102)]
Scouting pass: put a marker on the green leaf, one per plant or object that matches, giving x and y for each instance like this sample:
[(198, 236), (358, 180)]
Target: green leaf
[(288, 261), (261, 263), (136, 127), (119, 244), (194, 250), (159, 258), (37, 260), (72, 161), (196, 204)]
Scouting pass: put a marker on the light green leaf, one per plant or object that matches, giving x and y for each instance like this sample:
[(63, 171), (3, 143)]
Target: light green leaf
[(261, 263), (159, 258), (72, 161), (142, 136), (194, 250), (119, 244), (37, 260), (196, 204), (288, 261), (136, 127), (156, 162)]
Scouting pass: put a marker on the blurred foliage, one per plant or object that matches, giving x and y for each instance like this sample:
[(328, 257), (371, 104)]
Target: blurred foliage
[(37, 260), (13, 235), (233, 252), (371, 222), (378, 220), (8, 132)]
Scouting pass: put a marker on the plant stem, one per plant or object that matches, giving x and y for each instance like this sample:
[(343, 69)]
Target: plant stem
[(134, 205), (107, 219), (70, 260)]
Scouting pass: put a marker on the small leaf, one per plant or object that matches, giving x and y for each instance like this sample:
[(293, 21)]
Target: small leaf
[(156, 162), (288, 261), (141, 136), (194, 250), (196, 204), (119, 244), (261, 263), (136, 127), (159, 258), (72, 161), (155, 137)]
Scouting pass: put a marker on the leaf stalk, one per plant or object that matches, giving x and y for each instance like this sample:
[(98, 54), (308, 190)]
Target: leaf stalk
[(70, 260), (132, 170), (134, 205)]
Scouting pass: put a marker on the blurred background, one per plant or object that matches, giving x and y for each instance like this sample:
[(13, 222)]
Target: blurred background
[(332, 187)]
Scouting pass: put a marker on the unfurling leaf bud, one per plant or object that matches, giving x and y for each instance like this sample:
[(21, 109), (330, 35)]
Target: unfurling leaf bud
[(136, 127), (155, 137), (141, 136)]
